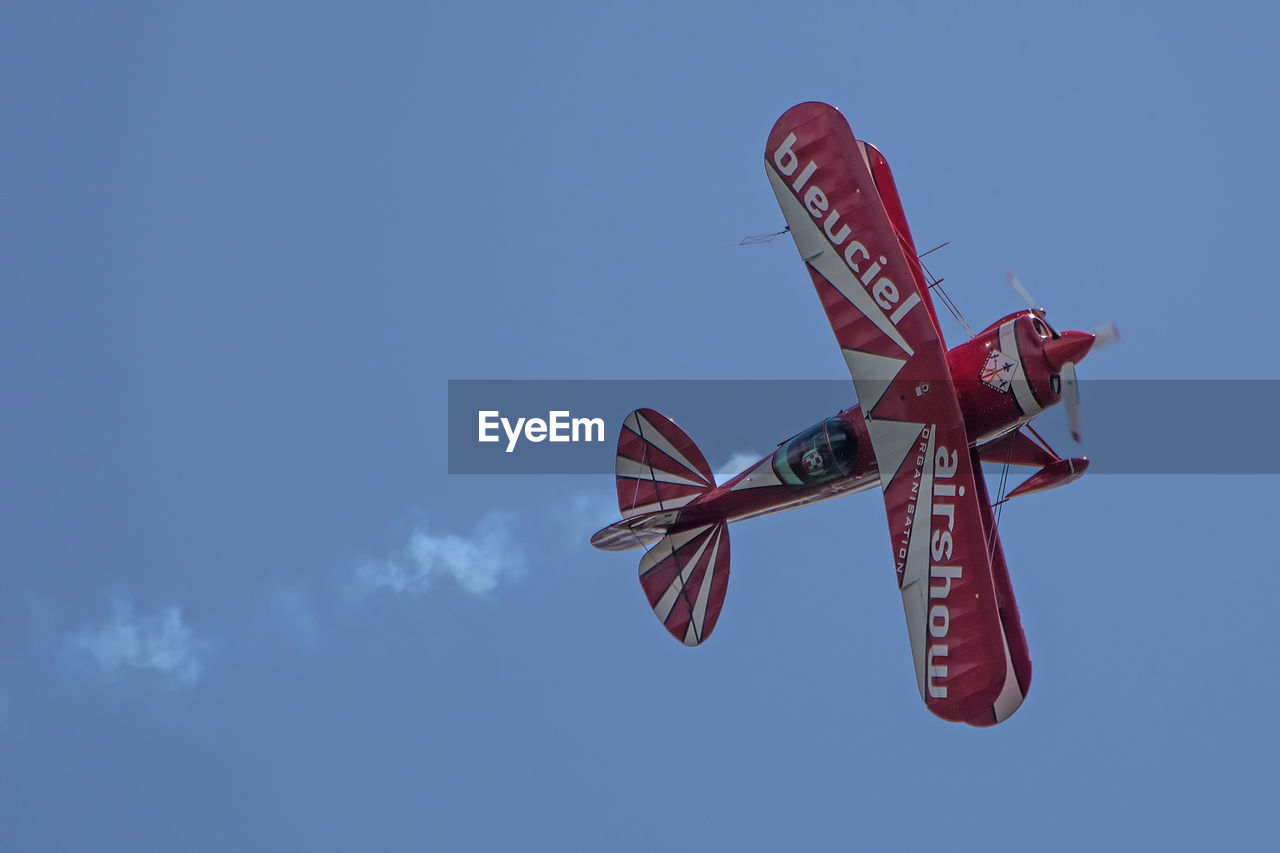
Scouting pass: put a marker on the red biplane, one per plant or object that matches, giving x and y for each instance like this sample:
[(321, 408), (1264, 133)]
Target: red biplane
[(927, 418)]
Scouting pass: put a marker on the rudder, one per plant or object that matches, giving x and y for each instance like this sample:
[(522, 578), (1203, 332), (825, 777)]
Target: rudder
[(658, 466)]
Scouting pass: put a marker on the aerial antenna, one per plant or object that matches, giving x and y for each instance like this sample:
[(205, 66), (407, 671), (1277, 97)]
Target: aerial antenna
[(758, 239)]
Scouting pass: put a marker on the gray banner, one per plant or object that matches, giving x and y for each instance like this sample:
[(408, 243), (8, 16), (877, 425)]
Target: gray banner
[(1129, 426)]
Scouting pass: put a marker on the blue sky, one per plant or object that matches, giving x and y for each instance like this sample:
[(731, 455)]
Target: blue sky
[(243, 605)]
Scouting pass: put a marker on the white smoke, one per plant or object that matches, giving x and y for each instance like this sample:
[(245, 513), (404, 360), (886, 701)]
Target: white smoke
[(735, 465), (476, 563), (162, 644), (585, 512)]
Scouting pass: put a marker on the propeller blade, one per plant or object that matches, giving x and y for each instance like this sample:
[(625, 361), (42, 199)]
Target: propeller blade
[(1022, 291), (1105, 335), (1061, 345), (1071, 396)]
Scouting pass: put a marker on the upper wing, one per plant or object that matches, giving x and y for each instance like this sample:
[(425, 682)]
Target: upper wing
[(888, 190), (857, 259)]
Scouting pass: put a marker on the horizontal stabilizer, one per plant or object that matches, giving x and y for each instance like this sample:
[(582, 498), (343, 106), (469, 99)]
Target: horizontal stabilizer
[(685, 577), (638, 531)]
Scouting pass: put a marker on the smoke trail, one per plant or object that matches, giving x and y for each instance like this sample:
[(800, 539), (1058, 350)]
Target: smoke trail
[(735, 465), (476, 563), (161, 644)]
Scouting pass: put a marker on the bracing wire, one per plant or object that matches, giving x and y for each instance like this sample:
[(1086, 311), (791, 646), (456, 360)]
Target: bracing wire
[(998, 506), (935, 284), (759, 239)]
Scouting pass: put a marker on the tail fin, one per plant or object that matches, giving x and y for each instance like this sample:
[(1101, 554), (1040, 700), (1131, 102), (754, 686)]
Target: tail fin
[(686, 573), (685, 576), (659, 467)]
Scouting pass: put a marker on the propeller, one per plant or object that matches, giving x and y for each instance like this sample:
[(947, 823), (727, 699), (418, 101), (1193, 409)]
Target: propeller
[(1065, 350), (1022, 291), (1105, 335), (1071, 397)]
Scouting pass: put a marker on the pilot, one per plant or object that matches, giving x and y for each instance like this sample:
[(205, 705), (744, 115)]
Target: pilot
[(814, 464)]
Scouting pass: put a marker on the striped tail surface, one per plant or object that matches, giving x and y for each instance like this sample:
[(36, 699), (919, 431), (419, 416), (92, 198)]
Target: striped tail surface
[(685, 577), (658, 466)]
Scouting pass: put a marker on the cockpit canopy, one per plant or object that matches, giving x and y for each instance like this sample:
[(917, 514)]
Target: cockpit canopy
[(824, 452)]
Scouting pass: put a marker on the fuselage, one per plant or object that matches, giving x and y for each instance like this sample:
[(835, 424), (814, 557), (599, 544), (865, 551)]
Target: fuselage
[(1003, 377)]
